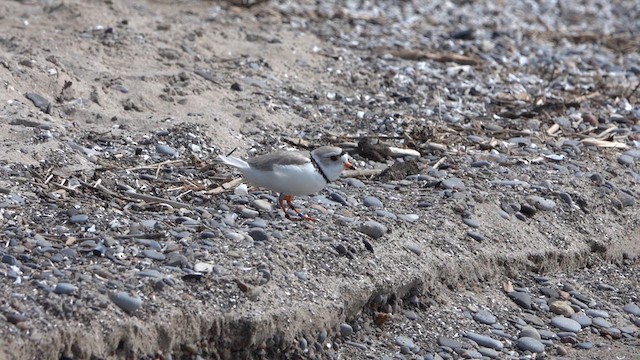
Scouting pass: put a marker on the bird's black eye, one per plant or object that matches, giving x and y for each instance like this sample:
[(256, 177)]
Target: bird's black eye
[(334, 157)]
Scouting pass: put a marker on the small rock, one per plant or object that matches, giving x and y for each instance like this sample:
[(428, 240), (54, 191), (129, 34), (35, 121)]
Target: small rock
[(404, 341), (258, 234), (484, 317), (541, 203), (521, 298), (632, 309), (453, 183), (346, 330), (530, 344), (530, 332), (560, 307), (373, 228), (79, 219), (125, 301), (372, 202), (40, 102), (566, 324), (154, 255), (262, 205), (485, 340), (165, 150), (65, 288)]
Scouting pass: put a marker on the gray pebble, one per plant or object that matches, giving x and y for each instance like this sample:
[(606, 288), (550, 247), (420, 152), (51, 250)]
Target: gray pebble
[(453, 183), (597, 313), (632, 309), (484, 317), (339, 198), (601, 323), (582, 319), (165, 149), (373, 228), (541, 203), (476, 236), (258, 234), (355, 183), (65, 288), (404, 341), (411, 315), (346, 330), (488, 352), (414, 248), (484, 340), (386, 214), (626, 160), (409, 217), (625, 199), (566, 324), (372, 202), (547, 334), (521, 298), (40, 102), (262, 205), (584, 345), (530, 344), (79, 219), (154, 255), (450, 343), (471, 222), (125, 301), (149, 273), (9, 259), (249, 213), (530, 332)]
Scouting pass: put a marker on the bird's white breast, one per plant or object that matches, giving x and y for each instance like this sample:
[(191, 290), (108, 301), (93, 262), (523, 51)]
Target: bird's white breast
[(288, 179)]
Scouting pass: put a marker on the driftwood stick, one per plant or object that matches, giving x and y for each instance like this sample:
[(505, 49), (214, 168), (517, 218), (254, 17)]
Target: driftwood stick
[(151, 198)]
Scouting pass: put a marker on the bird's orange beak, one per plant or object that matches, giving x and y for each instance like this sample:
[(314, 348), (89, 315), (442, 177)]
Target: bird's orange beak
[(347, 165)]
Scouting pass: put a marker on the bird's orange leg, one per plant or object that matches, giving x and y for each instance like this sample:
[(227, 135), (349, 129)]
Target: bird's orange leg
[(289, 199)]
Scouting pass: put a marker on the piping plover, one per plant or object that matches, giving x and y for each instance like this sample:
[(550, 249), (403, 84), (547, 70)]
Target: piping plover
[(293, 173)]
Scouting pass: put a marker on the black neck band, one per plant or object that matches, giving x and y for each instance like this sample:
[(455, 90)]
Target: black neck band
[(317, 166)]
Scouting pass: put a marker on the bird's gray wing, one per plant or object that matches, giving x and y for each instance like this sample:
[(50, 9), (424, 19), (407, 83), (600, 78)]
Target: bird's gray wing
[(267, 161)]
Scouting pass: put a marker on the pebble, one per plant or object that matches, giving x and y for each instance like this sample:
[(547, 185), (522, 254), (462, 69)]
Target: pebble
[(476, 236), (560, 307), (404, 341), (262, 205), (541, 203), (79, 219), (632, 309), (409, 217), (601, 323), (372, 202), (485, 340), (125, 301), (488, 352), (165, 150), (154, 255), (484, 317), (39, 101), (373, 228), (586, 345), (450, 343), (411, 315), (521, 298), (387, 214), (597, 313), (258, 234), (65, 288), (203, 267), (566, 324), (626, 160), (582, 319), (355, 183), (530, 332), (249, 213), (471, 222), (530, 344), (346, 330), (414, 248), (453, 183)]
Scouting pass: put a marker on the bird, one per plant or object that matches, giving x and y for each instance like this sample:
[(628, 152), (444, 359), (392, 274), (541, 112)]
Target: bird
[(293, 173)]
